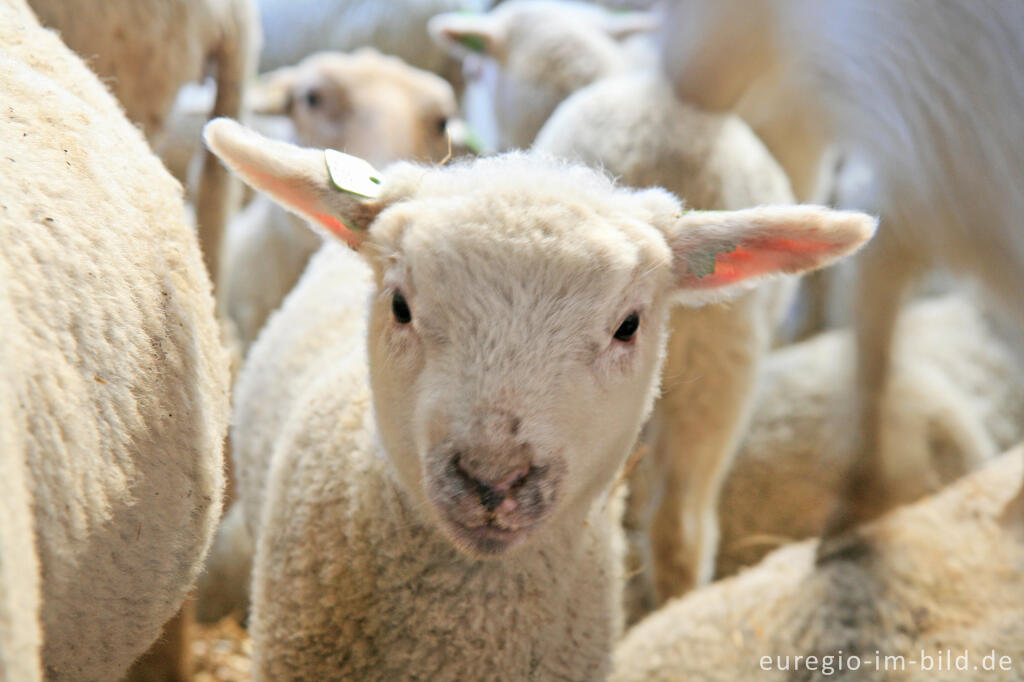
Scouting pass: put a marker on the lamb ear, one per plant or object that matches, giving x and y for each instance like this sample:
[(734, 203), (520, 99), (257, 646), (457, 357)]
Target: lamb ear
[(716, 252), (295, 177), (462, 33)]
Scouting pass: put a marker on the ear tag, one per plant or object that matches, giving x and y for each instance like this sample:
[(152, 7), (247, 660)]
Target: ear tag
[(352, 174), (473, 42), (701, 262)]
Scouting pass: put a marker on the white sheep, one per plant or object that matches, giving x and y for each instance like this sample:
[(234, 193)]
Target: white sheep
[(929, 98), (146, 50), (714, 352), (370, 105), (532, 54), (955, 398), (451, 523), (942, 575), (114, 380)]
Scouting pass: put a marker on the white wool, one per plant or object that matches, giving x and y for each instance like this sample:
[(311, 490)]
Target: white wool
[(938, 578), (113, 375), (954, 399), (146, 50)]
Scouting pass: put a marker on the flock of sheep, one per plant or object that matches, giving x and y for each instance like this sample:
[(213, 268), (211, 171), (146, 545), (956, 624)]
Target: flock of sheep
[(526, 403)]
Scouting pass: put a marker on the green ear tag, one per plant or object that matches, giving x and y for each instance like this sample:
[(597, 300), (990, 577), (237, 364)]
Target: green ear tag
[(352, 174), (701, 263), (473, 42), (473, 142)]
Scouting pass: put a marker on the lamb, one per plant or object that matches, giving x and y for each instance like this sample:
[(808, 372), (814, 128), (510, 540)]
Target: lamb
[(930, 98), (147, 50), (460, 477), (371, 105), (114, 382), (955, 399), (536, 53), (942, 575)]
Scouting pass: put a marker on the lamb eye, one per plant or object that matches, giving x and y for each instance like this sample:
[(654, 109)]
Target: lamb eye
[(628, 328), (442, 125), (313, 99), (400, 309)]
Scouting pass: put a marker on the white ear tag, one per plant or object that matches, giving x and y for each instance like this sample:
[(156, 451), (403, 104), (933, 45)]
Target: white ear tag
[(352, 174)]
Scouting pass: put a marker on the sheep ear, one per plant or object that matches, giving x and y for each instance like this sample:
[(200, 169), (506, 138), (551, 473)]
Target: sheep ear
[(716, 252), (620, 25), (298, 179), (271, 94), (462, 33)]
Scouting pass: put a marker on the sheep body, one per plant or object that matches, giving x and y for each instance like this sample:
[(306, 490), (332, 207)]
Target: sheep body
[(940, 575), (113, 363), (147, 50), (953, 401)]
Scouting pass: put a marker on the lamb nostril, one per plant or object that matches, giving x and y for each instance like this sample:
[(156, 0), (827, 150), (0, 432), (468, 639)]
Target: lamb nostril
[(491, 494), (490, 498)]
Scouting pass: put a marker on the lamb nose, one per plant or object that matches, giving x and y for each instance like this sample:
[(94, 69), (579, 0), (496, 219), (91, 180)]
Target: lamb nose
[(489, 497), (491, 494)]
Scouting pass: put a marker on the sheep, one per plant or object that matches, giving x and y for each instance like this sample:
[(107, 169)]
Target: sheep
[(147, 50), (942, 575), (954, 399), (371, 105), (536, 53), (115, 382), (929, 97), (714, 352), (458, 474)]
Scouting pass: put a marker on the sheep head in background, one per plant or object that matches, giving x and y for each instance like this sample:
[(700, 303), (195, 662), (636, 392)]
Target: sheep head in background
[(519, 321), (532, 54), (365, 103)]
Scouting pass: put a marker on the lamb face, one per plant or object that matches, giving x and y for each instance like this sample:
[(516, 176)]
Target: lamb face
[(518, 323), (514, 345), (365, 103)]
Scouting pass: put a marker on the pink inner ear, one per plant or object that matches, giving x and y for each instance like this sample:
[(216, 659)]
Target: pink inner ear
[(338, 228), (760, 256), (305, 204)]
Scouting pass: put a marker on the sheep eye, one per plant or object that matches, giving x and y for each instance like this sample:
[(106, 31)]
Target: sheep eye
[(628, 328), (400, 309), (313, 99), (442, 125)]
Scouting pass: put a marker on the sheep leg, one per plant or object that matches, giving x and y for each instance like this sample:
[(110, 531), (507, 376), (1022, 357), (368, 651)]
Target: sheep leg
[(168, 659), (709, 377), (217, 196), (884, 271)]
